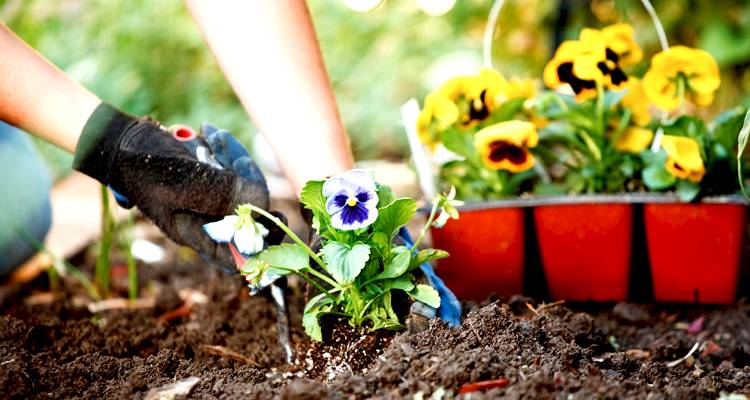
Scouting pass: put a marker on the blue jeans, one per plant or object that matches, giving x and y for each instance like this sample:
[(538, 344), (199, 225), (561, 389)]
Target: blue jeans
[(25, 212)]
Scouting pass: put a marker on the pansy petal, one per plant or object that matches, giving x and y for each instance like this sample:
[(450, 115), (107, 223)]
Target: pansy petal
[(248, 243), (223, 230), (336, 202), (352, 180)]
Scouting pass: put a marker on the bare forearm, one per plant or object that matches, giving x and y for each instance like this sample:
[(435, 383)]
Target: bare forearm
[(269, 53), (39, 98)]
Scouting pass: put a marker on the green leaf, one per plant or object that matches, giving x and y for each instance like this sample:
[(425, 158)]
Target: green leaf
[(394, 216), (311, 314), (285, 256), (726, 126), (317, 301), (687, 191), (312, 197), (742, 139), (381, 240), (460, 143), (427, 255), (507, 110), (385, 195), (398, 265), (402, 283), (345, 263), (656, 177), (426, 294), (312, 326)]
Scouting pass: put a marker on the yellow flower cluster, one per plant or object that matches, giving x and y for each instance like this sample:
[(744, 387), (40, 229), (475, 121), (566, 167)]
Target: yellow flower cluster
[(466, 101), (587, 66), (596, 58)]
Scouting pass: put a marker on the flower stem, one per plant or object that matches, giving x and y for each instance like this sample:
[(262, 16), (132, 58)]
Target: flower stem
[(428, 223), (309, 280), (298, 241)]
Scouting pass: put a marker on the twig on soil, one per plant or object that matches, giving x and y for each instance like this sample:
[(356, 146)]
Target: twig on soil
[(221, 351), (483, 385), (119, 303), (544, 306), (677, 362), (190, 298)]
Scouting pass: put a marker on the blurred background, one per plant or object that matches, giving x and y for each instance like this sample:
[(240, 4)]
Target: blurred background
[(149, 58)]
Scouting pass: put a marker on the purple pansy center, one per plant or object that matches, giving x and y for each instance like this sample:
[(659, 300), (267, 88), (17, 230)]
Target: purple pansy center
[(352, 208)]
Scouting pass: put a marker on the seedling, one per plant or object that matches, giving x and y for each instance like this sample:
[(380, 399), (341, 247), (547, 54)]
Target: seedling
[(360, 262)]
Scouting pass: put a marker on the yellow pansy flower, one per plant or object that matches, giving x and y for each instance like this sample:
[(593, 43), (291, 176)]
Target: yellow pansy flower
[(683, 157), (476, 96), (621, 41), (575, 64), (681, 71), (609, 65), (637, 102), (437, 115), (505, 145), (634, 139)]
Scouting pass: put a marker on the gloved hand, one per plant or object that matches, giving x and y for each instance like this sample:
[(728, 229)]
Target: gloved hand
[(141, 161)]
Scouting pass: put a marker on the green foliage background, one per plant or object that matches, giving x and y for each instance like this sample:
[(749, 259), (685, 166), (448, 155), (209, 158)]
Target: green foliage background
[(148, 57)]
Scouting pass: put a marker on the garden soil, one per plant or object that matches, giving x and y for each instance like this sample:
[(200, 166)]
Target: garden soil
[(54, 347)]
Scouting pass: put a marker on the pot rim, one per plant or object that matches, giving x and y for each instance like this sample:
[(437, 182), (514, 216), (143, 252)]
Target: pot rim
[(618, 198)]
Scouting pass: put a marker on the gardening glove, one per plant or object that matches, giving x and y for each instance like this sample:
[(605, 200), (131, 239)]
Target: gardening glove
[(450, 308), (146, 167)]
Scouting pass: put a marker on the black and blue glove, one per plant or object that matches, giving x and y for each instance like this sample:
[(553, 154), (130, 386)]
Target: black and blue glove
[(149, 168)]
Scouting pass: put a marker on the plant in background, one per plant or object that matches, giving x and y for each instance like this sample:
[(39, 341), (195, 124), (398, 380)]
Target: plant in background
[(693, 158), (360, 265), (473, 118), (597, 119)]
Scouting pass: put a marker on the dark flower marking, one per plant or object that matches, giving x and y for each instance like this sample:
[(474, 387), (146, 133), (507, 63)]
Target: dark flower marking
[(478, 109), (352, 214), (565, 74), (611, 67), (500, 151)]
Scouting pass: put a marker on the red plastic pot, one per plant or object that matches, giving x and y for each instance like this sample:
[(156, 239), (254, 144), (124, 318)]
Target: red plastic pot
[(585, 250), (487, 252), (695, 251)]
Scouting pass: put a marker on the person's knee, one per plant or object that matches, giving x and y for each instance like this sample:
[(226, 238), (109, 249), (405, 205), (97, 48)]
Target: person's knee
[(25, 212)]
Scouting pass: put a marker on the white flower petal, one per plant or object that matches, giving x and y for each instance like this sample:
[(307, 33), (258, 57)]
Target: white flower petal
[(361, 178), (352, 181), (338, 223), (222, 231), (440, 221), (247, 242)]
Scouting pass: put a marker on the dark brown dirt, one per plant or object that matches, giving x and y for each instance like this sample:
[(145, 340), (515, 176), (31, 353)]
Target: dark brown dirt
[(60, 350)]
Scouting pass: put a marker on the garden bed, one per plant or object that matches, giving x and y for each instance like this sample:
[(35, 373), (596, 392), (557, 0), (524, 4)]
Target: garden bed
[(60, 349)]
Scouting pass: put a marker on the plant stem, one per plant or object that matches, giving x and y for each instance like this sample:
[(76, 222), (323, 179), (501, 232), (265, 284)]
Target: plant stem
[(428, 223), (101, 274), (54, 279), (308, 280), (298, 241), (132, 267)]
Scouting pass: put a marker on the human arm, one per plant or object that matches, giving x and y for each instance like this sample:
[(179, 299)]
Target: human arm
[(270, 55), (137, 157), (39, 98)]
